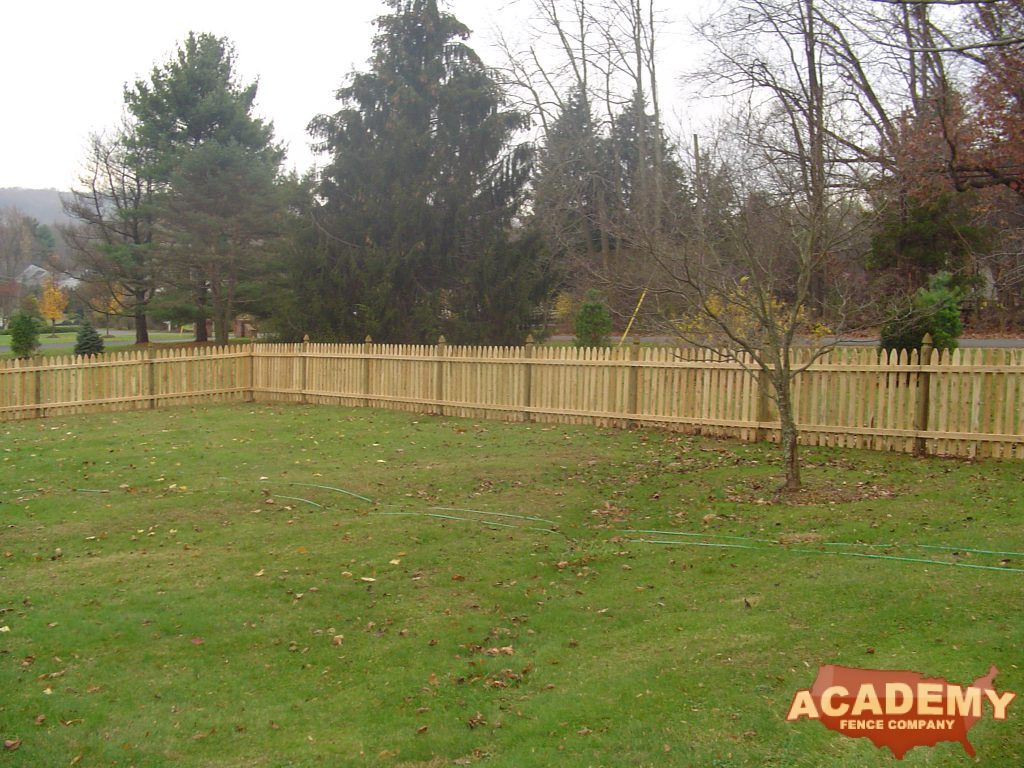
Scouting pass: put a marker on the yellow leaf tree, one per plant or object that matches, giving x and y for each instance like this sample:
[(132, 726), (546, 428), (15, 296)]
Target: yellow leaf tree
[(54, 302)]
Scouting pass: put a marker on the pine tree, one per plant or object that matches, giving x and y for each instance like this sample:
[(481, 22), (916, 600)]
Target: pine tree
[(24, 334), (88, 341), (421, 188), (214, 166)]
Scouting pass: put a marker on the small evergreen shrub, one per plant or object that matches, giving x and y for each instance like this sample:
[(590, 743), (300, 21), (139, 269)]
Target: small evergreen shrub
[(88, 341), (933, 309), (593, 321), (24, 335)]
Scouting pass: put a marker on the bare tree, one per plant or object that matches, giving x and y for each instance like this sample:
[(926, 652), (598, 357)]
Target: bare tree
[(113, 245)]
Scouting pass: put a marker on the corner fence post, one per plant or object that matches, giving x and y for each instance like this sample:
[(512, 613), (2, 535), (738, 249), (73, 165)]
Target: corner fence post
[(528, 351), (923, 395), (367, 349), (442, 351)]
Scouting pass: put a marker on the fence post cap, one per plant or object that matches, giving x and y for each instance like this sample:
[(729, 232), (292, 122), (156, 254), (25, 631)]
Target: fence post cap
[(927, 341), (441, 340), (368, 339), (305, 338), (529, 339)]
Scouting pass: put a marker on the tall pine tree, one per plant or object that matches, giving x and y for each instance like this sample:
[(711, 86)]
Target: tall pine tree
[(214, 166), (419, 194)]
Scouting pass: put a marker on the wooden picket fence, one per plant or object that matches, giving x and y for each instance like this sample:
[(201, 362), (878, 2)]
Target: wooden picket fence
[(967, 403)]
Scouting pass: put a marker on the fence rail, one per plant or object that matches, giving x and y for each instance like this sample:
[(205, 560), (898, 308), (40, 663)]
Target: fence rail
[(966, 403)]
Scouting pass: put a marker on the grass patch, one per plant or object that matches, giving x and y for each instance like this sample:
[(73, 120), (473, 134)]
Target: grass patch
[(195, 587), (64, 343)]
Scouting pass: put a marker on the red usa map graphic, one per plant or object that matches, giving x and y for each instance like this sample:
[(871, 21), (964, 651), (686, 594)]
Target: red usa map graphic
[(897, 709)]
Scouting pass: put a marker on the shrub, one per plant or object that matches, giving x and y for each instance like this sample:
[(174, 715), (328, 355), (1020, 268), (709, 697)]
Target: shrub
[(593, 321), (933, 309), (24, 335), (88, 341)]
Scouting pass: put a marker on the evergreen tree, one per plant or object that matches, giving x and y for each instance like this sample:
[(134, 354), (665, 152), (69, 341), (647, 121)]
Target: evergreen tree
[(570, 188), (593, 322), (928, 235), (214, 165), (422, 185), (88, 341), (24, 334)]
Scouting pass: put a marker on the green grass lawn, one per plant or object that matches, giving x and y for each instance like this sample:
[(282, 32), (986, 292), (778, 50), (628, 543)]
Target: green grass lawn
[(64, 343), (205, 587)]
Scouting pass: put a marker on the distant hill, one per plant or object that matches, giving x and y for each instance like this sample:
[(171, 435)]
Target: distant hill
[(41, 204)]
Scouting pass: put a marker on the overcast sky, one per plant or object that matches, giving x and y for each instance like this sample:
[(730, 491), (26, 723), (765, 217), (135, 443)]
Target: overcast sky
[(63, 65)]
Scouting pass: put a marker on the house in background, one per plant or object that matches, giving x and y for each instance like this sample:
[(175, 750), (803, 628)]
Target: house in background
[(33, 276)]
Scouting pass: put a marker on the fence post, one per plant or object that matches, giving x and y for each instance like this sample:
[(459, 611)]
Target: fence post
[(763, 411), (367, 346), (37, 363), (305, 373), (923, 395), (528, 378), (251, 393), (442, 350), (633, 383), (150, 369)]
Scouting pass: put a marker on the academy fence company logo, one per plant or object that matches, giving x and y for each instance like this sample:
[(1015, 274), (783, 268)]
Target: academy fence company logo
[(898, 710)]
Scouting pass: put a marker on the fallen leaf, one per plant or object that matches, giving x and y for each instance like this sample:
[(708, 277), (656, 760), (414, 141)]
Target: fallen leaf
[(75, 760), (395, 561), (368, 579), (432, 679), (421, 729), (584, 731), (12, 744), (260, 572), (338, 639), (197, 641), (505, 650), (458, 577), (40, 719), (5, 628)]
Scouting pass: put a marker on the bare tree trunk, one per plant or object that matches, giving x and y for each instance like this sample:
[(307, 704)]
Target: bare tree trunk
[(141, 329), (202, 313), (220, 325), (782, 381)]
